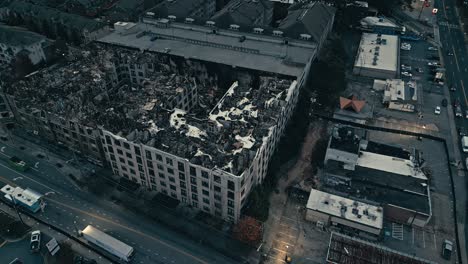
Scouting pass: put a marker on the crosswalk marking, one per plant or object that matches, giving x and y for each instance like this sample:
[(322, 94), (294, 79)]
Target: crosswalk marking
[(446, 24)]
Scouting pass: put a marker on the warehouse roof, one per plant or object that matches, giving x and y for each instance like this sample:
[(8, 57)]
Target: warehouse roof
[(244, 50), (377, 51)]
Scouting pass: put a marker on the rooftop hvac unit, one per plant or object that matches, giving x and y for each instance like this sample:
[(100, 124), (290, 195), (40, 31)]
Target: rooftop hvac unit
[(384, 41), (210, 23), (305, 36), (258, 30), (379, 35), (234, 27), (377, 48), (374, 63), (277, 33), (376, 53)]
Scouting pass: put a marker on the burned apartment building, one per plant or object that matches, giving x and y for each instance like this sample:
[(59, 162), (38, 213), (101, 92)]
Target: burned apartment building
[(379, 174), (191, 111), (163, 124)]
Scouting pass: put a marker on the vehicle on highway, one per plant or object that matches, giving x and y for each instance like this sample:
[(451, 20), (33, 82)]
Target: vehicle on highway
[(449, 53), (18, 164), (437, 110), (453, 88), (26, 198), (83, 260), (108, 243), (444, 102), (433, 63), (432, 48), (407, 74), (35, 243), (458, 112)]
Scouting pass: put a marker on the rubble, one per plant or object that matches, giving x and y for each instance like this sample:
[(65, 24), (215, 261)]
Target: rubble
[(150, 99)]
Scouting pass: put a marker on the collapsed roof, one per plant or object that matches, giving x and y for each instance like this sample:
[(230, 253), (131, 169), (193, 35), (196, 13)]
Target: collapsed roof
[(222, 129)]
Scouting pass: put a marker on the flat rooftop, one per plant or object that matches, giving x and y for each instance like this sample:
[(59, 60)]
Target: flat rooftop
[(224, 128), (344, 249), (334, 205), (228, 47), (382, 187), (378, 21), (380, 53), (390, 164)]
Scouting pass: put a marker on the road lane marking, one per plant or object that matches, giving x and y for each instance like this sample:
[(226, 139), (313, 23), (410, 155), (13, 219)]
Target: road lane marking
[(6, 167), (461, 81), (130, 229)]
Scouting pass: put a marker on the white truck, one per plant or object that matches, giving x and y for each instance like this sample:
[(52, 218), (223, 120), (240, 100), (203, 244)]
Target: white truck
[(464, 143), (108, 243)]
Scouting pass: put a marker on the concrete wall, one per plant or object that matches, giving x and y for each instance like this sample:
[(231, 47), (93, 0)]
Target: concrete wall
[(374, 73)]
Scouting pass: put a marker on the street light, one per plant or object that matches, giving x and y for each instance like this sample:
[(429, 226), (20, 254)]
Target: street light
[(16, 208)]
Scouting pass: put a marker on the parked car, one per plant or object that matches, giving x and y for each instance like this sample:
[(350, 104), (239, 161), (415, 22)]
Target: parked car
[(405, 67), (447, 248), (444, 102), (407, 74), (83, 260), (466, 113), (35, 241), (458, 112), (433, 63), (437, 110), (432, 48), (420, 70), (456, 103)]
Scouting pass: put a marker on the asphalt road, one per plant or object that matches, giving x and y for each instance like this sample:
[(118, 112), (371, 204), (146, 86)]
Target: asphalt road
[(456, 64), (69, 207), (19, 249)]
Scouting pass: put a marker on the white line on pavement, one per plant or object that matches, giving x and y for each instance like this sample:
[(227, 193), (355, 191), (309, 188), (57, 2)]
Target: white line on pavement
[(31, 179)]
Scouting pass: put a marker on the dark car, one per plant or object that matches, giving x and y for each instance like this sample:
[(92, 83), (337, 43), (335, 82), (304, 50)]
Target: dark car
[(444, 102), (449, 53), (453, 88), (456, 103), (83, 260)]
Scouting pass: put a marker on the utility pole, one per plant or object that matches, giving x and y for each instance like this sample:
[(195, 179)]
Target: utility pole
[(16, 208), (422, 7)]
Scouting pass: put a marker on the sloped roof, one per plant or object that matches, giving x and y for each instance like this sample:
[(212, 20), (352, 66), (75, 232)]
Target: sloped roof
[(352, 103), (241, 12), (17, 36), (178, 8), (311, 18), (43, 12)]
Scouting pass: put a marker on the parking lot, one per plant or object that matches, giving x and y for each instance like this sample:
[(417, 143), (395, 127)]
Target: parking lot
[(424, 242)]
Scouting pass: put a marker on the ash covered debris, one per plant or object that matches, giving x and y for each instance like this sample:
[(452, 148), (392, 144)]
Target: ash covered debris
[(151, 99)]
